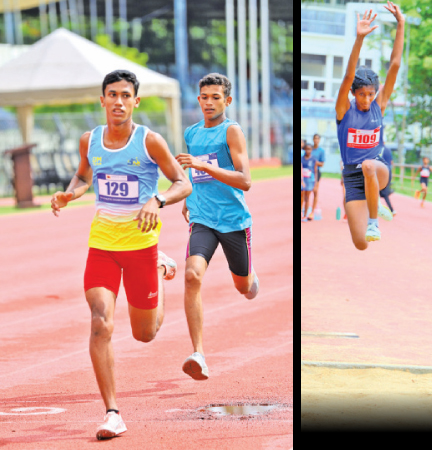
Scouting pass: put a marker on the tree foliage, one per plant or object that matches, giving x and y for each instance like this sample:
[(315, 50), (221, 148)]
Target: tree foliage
[(420, 66)]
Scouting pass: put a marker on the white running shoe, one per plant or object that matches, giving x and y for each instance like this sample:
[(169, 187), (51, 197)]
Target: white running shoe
[(384, 212), (112, 426), (373, 233), (254, 289), (169, 264), (196, 367)]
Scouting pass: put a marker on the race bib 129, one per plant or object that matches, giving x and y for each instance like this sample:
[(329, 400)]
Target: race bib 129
[(199, 176), (363, 138), (121, 189)]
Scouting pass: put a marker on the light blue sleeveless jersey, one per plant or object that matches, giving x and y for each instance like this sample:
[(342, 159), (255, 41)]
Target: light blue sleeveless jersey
[(213, 203), (124, 180)]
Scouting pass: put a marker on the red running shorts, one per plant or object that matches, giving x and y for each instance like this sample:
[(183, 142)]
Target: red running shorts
[(140, 276)]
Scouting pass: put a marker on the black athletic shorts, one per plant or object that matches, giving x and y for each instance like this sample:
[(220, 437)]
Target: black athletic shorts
[(424, 180), (236, 245), (354, 180)]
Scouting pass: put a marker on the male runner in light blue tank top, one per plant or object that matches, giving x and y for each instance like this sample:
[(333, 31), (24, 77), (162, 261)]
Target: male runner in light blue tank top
[(216, 210), (359, 125)]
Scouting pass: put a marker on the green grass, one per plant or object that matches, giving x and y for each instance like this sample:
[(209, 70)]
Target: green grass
[(267, 173), (330, 175), (46, 206), (257, 174)]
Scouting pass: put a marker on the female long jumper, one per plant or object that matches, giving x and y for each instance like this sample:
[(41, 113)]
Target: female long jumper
[(359, 124)]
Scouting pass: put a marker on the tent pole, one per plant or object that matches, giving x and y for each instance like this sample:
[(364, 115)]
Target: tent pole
[(26, 122)]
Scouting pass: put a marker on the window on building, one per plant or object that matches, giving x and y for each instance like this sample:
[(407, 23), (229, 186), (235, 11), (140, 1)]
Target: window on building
[(337, 67), (319, 85), (368, 63), (324, 22), (313, 65), (304, 84)]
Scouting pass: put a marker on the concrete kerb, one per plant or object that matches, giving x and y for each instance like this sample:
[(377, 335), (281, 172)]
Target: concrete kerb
[(346, 365)]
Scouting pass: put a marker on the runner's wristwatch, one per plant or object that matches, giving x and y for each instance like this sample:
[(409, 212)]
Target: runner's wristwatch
[(161, 199)]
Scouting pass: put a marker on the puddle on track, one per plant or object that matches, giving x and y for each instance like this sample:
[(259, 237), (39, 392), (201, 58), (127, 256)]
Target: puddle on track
[(240, 410)]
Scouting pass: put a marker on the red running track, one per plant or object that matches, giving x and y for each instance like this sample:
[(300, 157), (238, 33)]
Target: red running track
[(45, 324)]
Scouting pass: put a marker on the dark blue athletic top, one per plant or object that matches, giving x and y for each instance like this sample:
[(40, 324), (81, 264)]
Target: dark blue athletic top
[(360, 134), (309, 168)]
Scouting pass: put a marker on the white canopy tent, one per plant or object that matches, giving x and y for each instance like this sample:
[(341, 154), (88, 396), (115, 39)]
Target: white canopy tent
[(64, 68)]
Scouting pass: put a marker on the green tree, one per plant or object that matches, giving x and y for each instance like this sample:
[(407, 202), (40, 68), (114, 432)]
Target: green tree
[(420, 68)]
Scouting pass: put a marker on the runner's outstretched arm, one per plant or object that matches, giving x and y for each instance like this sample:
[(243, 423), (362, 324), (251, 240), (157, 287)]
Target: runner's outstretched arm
[(80, 182), (395, 58), (240, 177), (363, 29)]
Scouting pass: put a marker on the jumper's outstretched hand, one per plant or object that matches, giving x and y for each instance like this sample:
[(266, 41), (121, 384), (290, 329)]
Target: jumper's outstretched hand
[(60, 200), (364, 25), (395, 10)]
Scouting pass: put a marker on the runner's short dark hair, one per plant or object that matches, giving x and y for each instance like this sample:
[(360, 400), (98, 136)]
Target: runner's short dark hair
[(118, 75), (365, 77), (216, 79)]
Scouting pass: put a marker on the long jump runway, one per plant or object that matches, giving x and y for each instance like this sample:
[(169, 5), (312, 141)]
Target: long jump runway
[(48, 393), (366, 319)]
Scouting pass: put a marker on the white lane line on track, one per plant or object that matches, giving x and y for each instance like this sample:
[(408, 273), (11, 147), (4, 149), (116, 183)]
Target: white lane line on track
[(229, 305)]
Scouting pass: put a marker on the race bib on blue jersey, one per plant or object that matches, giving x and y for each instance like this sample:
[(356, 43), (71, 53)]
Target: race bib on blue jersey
[(120, 189), (425, 172), (363, 138), (307, 173), (199, 176)]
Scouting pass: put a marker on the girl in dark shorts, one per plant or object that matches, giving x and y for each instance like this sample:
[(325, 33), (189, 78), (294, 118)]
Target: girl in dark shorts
[(359, 127), (425, 172)]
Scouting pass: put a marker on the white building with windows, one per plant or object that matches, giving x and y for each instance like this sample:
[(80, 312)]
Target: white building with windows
[(328, 32)]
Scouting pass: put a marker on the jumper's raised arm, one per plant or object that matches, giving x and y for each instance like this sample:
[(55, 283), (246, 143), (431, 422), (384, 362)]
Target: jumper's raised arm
[(363, 29), (395, 58)]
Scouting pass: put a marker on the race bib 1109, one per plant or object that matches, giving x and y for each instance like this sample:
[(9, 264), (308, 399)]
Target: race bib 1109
[(363, 138), (122, 189)]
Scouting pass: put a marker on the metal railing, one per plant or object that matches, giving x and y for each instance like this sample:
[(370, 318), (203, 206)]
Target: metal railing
[(412, 168)]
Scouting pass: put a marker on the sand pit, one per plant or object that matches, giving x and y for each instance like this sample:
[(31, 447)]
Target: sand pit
[(373, 399)]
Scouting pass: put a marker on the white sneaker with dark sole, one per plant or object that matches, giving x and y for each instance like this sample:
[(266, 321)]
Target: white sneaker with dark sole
[(169, 264), (112, 426), (196, 367)]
